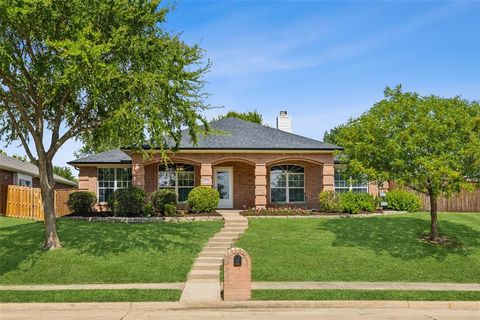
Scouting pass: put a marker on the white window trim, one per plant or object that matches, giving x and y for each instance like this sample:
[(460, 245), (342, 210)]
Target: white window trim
[(176, 182), (350, 186), (287, 187), (115, 188)]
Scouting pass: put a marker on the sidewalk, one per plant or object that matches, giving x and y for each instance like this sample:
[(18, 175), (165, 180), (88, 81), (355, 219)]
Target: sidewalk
[(401, 286), (260, 310)]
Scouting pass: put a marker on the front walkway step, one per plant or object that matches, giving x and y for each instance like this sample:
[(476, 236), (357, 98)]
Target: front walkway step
[(203, 283)]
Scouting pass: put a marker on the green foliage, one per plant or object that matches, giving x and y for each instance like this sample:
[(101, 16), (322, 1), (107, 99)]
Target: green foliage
[(170, 209), (329, 201), (81, 201), (252, 116), (107, 73), (403, 201), (65, 172), (203, 199), (127, 202), (356, 202), (429, 143), (148, 210), (162, 197)]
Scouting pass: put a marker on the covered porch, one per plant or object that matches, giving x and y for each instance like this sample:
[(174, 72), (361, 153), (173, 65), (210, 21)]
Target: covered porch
[(243, 180)]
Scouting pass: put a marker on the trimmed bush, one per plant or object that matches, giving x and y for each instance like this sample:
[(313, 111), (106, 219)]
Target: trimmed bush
[(148, 210), (403, 201), (162, 197), (329, 201), (127, 202), (170, 210), (81, 201), (355, 202), (203, 199)]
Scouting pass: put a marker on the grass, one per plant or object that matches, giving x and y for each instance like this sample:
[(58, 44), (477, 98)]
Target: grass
[(90, 296), (96, 252), (365, 295), (381, 248)]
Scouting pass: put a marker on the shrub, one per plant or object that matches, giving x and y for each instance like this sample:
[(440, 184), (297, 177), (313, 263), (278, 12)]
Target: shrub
[(129, 201), (203, 199), (81, 201), (402, 201), (170, 210), (148, 210), (355, 202), (162, 197), (329, 201)]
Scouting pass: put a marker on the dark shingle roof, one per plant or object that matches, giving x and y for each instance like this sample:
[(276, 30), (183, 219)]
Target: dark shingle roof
[(231, 134), (246, 135), (14, 165), (107, 157)]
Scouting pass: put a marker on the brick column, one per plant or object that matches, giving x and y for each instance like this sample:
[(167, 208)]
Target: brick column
[(260, 186), (206, 174), (138, 171), (328, 177)]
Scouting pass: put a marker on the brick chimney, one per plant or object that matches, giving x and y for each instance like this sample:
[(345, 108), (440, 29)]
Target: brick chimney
[(284, 122)]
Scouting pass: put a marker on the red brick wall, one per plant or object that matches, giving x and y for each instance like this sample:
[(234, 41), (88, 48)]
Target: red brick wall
[(6, 177), (243, 184), (313, 185), (237, 280)]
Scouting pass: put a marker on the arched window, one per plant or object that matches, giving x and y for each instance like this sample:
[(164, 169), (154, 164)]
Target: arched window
[(287, 184), (178, 177)]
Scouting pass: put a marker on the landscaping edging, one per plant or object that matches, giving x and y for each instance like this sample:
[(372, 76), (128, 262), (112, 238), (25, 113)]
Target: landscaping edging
[(144, 219)]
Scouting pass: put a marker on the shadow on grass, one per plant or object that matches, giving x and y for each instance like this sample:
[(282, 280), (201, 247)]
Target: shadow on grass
[(399, 237), (23, 241)]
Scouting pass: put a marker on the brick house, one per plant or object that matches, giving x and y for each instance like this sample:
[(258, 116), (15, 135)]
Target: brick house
[(251, 165), (17, 172)]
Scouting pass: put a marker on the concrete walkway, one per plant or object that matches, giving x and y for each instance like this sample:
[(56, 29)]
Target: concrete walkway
[(401, 286), (203, 284)]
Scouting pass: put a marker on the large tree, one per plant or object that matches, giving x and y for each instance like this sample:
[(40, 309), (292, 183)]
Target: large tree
[(105, 72), (427, 143), (252, 116)]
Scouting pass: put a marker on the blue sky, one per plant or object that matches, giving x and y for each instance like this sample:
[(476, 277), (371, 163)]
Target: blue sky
[(325, 62)]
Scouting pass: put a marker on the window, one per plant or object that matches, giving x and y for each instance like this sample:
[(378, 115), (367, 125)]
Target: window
[(342, 184), (178, 177), (287, 184), (24, 183), (111, 179), (23, 180)]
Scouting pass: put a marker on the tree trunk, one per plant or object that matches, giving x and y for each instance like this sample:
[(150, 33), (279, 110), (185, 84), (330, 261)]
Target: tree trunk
[(47, 184), (433, 216)]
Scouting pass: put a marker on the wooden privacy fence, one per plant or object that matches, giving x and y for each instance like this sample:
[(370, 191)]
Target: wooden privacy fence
[(26, 202), (460, 202)]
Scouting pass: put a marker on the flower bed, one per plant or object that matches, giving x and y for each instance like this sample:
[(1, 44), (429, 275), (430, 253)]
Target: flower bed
[(286, 211)]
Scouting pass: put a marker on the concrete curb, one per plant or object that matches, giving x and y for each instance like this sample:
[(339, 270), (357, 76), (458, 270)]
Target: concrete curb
[(159, 306)]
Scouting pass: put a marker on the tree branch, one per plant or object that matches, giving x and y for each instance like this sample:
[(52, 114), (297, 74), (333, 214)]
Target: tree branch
[(20, 134)]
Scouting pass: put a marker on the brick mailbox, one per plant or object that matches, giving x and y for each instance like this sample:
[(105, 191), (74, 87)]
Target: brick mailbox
[(237, 279)]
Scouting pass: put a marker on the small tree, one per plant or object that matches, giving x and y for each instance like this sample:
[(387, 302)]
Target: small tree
[(64, 172), (428, 143), (104, 72)]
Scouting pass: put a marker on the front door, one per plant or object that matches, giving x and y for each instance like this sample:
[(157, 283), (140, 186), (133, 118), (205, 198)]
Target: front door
[(223, 182)]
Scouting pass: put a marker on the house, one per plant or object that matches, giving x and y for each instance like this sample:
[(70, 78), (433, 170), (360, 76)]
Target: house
[(20, 173), (251, 165)]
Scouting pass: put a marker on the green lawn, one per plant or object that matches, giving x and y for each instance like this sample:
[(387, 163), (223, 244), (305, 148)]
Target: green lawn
[(381, 248), (90, 296), (101, 252), (365, 295)]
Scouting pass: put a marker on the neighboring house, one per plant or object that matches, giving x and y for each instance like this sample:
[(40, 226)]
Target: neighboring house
[(20, 173), (251, 165)]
